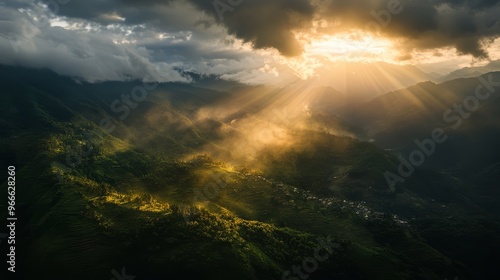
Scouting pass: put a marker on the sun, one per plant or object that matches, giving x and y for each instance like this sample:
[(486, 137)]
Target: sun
[(349, 47), (327, 50)]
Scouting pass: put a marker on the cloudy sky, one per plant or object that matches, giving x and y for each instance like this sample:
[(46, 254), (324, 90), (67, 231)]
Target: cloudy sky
[(253, 41)]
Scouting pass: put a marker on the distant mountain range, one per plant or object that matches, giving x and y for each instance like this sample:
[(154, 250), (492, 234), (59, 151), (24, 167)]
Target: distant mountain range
[(469, 72), (364, 81)]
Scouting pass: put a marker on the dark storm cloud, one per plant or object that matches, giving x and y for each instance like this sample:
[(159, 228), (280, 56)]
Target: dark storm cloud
[(101, 42), (426, 24), (471, 4), (423, 25), (267, 24), (464, 25)]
